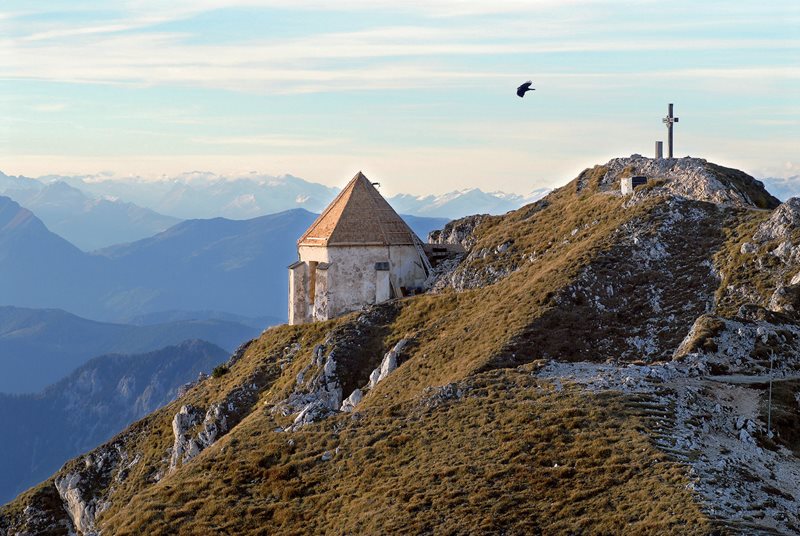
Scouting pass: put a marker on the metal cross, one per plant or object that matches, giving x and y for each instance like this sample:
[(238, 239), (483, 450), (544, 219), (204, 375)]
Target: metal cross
[(669, 120)]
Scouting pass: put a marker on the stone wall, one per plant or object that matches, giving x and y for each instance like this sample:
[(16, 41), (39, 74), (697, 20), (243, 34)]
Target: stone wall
[(350, 280)]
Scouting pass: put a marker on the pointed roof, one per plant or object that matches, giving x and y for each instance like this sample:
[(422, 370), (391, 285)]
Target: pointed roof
[(359, 216)]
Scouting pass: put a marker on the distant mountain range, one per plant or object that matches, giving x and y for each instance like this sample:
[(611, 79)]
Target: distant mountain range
[(463, 203), (39, 347), (136, 206), (42, 431), (88, 222), (218, 265), (206, 195), (783, 188)]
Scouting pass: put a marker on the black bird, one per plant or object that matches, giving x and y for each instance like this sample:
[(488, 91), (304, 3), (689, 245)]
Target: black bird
[(524, 87)]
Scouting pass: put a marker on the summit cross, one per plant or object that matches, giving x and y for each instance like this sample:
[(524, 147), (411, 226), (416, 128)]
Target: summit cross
[(669, 120)]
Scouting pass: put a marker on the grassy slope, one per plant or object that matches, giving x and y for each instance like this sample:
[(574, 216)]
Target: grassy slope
[(403, 465), (550, 461), (383, 478)]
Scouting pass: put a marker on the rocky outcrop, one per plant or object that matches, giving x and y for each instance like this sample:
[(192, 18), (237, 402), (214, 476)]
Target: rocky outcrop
[(352, 401), (744, 345), (317, 389), (81, 511), (388, 364), (194, 431), (780, 225), (786, 300), (184, 447), (340, 364), (461, 231), (691, 178), (82, 486), (44, 513)]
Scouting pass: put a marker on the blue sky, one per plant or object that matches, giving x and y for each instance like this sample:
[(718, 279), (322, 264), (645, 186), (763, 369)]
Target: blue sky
[(418, 95)]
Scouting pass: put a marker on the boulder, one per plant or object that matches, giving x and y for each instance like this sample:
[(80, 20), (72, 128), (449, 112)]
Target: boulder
[(388, 365), (781, 223), (352, 401)]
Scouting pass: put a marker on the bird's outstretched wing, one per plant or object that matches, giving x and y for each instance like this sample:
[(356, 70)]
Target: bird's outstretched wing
[(524, 88)]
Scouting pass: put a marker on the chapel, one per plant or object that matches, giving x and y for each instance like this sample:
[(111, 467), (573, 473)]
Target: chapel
[(359, 251)]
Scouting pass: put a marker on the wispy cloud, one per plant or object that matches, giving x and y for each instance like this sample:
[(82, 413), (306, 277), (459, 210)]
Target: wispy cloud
[(391, 54), (140, 71), (49, 107), (275, 141)]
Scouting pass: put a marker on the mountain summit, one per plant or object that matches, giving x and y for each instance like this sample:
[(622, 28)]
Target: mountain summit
[(593, 363)]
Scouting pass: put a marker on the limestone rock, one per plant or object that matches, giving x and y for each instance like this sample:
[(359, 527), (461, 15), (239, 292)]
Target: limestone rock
[(691, 178), (185, 447), (80, 510), (748, 248), (313, 412), (785, 299), (316, 393), (352, 401), (388, 365), (461, 231), (780, 225), (182, 422)]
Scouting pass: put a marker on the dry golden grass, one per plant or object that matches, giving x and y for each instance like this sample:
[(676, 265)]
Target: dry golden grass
[(456, 334), (740, 270), (513, 456), (152, 437)]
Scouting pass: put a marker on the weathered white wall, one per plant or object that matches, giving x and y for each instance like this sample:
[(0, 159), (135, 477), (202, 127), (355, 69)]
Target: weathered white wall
[(626, 185), (351, 280), (298, 292), (383, 289), (322, 304)]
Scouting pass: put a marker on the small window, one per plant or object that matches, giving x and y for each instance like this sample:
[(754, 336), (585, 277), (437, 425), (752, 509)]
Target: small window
[(382, 266)]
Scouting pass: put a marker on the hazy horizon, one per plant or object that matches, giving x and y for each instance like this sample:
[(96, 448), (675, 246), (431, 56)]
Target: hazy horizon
[(419, 96)]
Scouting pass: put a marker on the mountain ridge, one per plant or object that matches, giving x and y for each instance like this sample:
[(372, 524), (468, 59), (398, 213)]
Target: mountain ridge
[(574, 371), (89, 223), (42, 270), (39, 347)]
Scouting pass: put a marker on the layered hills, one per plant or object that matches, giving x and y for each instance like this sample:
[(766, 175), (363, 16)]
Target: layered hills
[(218, 265), (90, 223), (93, 403), (40, 346), (594, 363)]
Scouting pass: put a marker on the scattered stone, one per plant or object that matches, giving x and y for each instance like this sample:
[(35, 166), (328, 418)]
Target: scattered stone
[(748, 248), (436, 396), (781, 223)]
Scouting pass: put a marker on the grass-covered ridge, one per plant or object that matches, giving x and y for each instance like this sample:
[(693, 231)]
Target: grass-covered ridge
[(462, 437)]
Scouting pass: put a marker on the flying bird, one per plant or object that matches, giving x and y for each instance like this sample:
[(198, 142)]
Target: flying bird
[(521, 90)]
